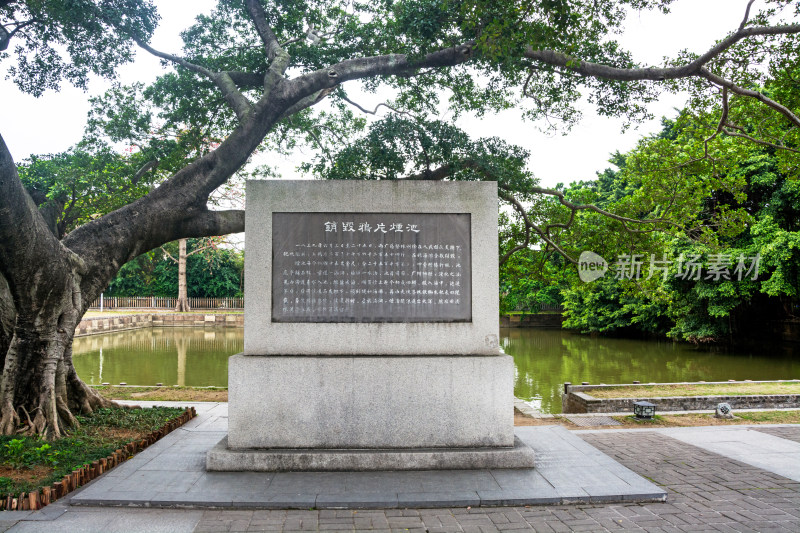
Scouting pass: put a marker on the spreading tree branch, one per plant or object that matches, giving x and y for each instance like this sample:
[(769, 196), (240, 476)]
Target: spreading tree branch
[(169, 255), (696, 68), (693, 68), (374, 111), (195, 251), (259, 17), (5, 35), (150, 165), (174, 59), (247, 80), (367, 67), (721, 82), (529, 225), (213, 223), (625, 221), (200, 249), (276, 55), (746, 15), (306, 102), (235, 99), (728, 131)]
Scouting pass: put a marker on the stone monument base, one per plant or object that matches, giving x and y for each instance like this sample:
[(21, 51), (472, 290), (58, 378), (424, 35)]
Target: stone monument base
[(223, 459), (370, 413)]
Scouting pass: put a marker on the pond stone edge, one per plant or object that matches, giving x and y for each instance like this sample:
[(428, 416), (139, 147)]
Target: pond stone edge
[(98, 325), (577, 399)]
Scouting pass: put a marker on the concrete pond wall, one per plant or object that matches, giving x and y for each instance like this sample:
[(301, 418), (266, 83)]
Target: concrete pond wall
[(578, 399), (95, 325), (108, 324), (541, 320)]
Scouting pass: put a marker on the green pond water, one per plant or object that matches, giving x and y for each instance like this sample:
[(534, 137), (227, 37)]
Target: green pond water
[(544, 360), (194, 357)]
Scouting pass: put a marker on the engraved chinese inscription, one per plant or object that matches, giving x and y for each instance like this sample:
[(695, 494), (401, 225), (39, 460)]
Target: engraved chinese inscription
[(371, 267)]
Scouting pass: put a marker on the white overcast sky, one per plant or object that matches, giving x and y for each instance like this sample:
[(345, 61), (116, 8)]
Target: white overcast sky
[(55, 121)]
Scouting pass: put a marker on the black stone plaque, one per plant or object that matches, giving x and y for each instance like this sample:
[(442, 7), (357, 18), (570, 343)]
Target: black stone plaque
[(371, 267)]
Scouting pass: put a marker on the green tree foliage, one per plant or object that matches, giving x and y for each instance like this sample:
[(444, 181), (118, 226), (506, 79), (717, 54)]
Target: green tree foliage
[(398, 147), (252, 73), (55, 40), (530, 280), (212, 273), (84, 183), (749, 206)]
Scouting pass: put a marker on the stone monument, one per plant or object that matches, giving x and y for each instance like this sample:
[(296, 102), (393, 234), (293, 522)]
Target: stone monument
[(371, 331)]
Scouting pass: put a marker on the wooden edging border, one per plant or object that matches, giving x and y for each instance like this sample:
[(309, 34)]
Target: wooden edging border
[(33, 501)]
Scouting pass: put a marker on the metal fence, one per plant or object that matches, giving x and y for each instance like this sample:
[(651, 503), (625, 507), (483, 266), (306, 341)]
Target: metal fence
[(158, 302), (541, 308)]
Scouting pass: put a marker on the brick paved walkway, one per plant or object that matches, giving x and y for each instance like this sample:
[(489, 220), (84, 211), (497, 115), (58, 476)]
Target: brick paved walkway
[(706, 492)]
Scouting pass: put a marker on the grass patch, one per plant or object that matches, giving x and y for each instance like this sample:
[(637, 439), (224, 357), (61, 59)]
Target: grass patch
[(708, 419), (702, 389), (667, 420), (770, 417), (27, 463), (656, 421), (165, 394)]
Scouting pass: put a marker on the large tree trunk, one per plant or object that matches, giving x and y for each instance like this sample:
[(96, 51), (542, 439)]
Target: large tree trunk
[(41, 303), (50, 282), (40, 391), (183, 298), (46, 285), (8, 316)]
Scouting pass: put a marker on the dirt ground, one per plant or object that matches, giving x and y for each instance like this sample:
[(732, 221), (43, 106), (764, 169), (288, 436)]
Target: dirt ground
[(164, 394)]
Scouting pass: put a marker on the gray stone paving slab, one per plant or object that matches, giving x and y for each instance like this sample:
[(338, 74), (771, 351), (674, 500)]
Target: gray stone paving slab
[(358, 500), (178, 461), (520, 496), (449, 498), (172, 499), (171, 474), (153, 521), (72, 522), (378, 481), (286, 501), (745, 444), (593, 420), (224, 482), (120, 521), (707, 492), (163, 480)]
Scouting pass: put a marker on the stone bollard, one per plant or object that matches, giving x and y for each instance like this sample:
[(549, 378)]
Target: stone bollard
[(724, 410)]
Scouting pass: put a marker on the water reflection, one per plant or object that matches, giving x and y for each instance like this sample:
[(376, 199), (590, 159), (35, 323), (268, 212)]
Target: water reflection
[(173, 356), (545, 359)]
